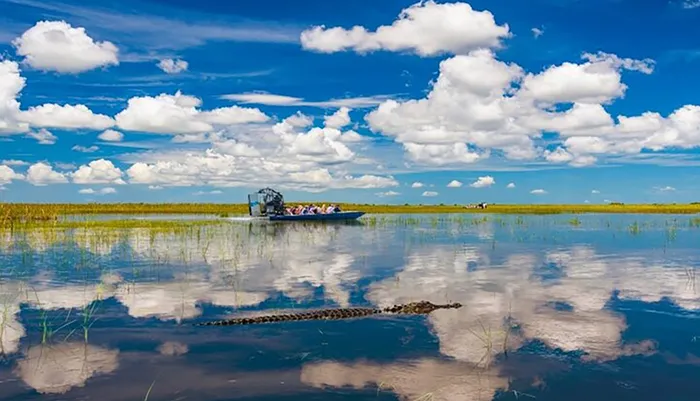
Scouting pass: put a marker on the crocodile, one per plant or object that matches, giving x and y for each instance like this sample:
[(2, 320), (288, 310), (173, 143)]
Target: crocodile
[(413, 308)]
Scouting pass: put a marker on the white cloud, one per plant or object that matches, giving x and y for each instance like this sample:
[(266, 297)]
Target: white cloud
[(387, 193), (43, 136), (179, 114), (283, 100), (170, 66), (537, 32), (65, 117), (339, 119), (645, 66), (155, 187), (102, 191), (666, 189), (14, 162), (425, 28), (57, 46), (454, 184), (214, 192), (15, 120), (595, 191), (417, 185), (280, 154), (511, 185), (42, 174), (111, 136), (690, 4), (483, 182), (538, 192), (11, 84), (85, 149), (430, 193), (98, 172), (7, 175), (480, 106)]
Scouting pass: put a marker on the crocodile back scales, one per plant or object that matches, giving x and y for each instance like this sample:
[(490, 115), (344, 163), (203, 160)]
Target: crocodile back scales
[(414, 308)]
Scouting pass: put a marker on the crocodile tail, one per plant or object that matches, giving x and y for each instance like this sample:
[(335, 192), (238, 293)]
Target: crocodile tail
[(330, 314)]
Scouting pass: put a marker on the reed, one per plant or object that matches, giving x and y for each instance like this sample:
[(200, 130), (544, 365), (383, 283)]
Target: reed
[(14, 213)]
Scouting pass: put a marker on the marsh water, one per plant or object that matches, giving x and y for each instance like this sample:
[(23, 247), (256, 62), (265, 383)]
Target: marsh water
[(591, 307)]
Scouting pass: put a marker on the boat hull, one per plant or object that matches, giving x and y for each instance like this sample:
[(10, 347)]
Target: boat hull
[(320, 217)]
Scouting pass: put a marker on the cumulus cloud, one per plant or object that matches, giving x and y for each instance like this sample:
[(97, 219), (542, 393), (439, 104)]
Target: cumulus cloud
[(111, 136), (42, 174), (454, 184), (287, 154), (98, 172), (595, 191), (429, 193), (7, 175), (171, 66), (483, 182), (43, 137), (480, 106), (538, 192), (425, 28), (537, 32), (180, 114), (11, 84), (510, 185), (417, 185), (57, 46), (14, 120), (65, 117), (339, 119)]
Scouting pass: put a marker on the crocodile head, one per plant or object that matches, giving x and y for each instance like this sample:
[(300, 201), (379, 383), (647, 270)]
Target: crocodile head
[(425, 307)]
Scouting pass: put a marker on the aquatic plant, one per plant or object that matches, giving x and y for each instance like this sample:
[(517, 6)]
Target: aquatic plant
[(16, 213)]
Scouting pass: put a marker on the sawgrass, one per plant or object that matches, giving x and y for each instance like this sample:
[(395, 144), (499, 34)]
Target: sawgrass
[(119, 224), (13, 213)]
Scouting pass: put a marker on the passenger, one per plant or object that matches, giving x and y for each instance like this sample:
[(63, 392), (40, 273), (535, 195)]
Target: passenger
[(330, 209), (336, 209), (323, 209)]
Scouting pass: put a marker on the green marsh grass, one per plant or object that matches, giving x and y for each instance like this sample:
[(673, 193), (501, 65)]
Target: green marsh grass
[(15, 213)]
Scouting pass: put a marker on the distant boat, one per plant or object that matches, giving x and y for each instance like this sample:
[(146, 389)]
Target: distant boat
[(269, 203)]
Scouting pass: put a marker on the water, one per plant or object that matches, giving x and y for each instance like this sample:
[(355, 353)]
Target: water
[(595, 307)]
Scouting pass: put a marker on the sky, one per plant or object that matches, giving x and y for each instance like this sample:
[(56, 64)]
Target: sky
[(545, 101)]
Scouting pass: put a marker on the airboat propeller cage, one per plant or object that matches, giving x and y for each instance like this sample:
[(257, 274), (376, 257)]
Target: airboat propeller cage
[(266, 202)]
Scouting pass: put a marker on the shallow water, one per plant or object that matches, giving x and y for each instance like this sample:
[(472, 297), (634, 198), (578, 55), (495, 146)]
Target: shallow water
[(594, 307)]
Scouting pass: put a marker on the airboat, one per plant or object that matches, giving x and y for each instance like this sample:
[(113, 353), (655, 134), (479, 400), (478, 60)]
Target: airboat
[(268, 203)]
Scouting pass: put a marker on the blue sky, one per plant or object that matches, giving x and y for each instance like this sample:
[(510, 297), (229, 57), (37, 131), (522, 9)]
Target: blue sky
[(482, 93)]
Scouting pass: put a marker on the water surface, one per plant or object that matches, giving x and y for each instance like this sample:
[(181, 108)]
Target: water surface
[(594, 307)]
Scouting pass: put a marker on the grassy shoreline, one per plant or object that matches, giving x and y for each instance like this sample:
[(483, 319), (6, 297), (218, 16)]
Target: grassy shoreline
[(47, 212)]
